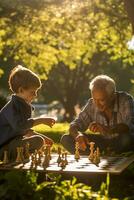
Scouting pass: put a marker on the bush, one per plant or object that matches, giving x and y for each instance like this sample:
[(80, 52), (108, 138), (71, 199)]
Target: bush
[(24, 185), (55, 132)]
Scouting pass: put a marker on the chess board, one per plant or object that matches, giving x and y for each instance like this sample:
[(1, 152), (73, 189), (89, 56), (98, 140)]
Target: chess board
[(113, 165)]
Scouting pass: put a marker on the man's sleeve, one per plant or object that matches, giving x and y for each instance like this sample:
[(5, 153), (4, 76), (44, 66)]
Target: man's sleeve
[(16, 121), (84, 118), (128, 116)]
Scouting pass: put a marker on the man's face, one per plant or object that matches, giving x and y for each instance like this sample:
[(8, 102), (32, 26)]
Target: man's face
[(28, 94), (101, 99)]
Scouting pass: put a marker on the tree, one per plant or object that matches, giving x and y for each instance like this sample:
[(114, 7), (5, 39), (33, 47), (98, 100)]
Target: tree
[(67, 38), (129, 6)]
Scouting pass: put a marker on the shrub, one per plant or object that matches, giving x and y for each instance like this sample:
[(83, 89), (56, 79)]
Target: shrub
[(26, 185)]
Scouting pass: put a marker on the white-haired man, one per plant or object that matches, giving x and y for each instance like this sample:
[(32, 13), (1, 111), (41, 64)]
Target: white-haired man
[(109, 114)]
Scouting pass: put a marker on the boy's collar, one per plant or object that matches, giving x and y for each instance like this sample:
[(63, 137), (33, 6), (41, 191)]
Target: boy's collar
[(16, 97)]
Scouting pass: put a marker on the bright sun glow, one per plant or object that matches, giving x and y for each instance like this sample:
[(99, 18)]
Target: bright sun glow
[(130, 44)]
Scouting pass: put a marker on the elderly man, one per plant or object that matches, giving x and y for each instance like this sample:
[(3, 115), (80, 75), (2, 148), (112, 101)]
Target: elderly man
[(109, 115)]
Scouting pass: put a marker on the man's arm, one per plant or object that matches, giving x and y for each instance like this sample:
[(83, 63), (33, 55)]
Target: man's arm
[(82, 122), (106, 130), (127, 114)]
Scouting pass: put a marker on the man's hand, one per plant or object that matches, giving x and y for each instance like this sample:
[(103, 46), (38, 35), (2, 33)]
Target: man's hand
[(79, 137), (82, 141), (97, 127)]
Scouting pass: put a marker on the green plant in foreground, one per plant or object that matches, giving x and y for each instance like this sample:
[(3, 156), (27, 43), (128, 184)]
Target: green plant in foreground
[(17, 185), (26, 185), (69, 189)]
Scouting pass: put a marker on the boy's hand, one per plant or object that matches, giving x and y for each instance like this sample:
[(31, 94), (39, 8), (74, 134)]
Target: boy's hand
[(44, 120), (49, 121), (28, 133), (48, 141)]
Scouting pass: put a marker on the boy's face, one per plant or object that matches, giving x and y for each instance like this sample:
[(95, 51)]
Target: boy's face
[(28, 94)]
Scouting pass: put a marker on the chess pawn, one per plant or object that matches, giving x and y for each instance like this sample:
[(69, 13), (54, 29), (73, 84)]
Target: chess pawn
[(36, 157), (42, 149), (95, 160), (22, 152), (66, 162), (59, 156), (39, 157), (27, 154), (59, 150), (46, 159), (92, 145), (32, 160), (77, 155), (98, 155), (62, 163), (45, 162), (91, 155), (49, 151), (5, 159), (19, 152)]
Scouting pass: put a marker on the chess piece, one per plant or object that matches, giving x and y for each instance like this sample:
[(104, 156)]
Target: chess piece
[(59, 156), (62, 163), (42, 149), (49, 151), (32, 160), (35, 158), (95, 158), (91, 155), (66, 161), (46, 159), (98, 155), (5, 159), (77, 155), (45, 162), (19, 155), (27, 154), (22, 153), (39, 157)]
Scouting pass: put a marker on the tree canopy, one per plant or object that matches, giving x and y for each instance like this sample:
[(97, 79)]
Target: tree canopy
[(73, 38)]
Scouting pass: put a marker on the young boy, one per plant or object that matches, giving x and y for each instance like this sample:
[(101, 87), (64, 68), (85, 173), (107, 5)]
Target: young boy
[(15, 116)]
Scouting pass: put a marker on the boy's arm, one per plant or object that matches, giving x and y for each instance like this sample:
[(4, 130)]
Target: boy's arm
[(15, 120), (19, 123), (44, 120)]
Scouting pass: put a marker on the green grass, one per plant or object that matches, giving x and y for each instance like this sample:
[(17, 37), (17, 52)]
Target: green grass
[(54, 133)]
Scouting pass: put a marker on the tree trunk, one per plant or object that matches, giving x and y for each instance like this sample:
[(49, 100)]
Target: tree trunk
[(69, 113), (129, 6)]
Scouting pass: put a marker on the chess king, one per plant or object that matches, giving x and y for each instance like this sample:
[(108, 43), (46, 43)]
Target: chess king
[(109, 113), (15, 117)]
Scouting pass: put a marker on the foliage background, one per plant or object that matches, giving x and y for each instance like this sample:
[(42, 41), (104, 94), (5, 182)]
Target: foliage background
[(66, 43)]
